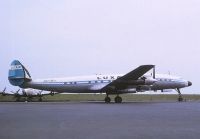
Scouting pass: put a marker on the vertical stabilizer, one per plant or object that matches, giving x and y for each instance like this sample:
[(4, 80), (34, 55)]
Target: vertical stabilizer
[(18, 74)]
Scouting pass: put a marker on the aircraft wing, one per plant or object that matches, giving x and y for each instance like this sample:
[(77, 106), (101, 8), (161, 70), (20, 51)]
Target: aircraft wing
[(8, 94), (133, 75), (4, 93)]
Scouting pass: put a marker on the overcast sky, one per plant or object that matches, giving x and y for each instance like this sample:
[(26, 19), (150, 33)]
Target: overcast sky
[(56, 38)]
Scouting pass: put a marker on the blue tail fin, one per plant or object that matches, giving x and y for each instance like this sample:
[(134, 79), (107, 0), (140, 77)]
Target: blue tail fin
[(18, 74)]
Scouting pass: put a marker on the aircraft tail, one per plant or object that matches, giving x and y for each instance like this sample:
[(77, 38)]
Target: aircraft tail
[(18, 74)]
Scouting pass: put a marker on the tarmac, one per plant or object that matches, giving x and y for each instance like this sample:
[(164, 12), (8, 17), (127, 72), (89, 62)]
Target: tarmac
[(96, 120)]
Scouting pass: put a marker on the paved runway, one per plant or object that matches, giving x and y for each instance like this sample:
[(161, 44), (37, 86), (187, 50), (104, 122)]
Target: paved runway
[(100, 121)]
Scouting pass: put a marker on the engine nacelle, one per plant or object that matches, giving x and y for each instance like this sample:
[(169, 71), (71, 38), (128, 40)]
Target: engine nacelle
[(150, 81), (166, 90), (143, 88), (31, 92), (142, 81)]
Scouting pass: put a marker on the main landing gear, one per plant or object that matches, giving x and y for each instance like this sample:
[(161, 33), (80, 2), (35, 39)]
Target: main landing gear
[(29, 99), (118, 99), (17, 99), (40, 99), (107, 99), (180, 97)]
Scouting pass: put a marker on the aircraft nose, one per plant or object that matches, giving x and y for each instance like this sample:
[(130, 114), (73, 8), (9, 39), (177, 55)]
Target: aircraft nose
[(189, 83)]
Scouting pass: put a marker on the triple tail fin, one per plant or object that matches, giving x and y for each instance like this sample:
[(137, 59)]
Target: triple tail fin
[(18, 74)]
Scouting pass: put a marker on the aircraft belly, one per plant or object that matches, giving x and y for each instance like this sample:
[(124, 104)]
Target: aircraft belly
[(74, 88)]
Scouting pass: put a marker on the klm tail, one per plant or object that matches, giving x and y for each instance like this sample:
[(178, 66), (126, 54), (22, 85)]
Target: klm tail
[(18, 74)]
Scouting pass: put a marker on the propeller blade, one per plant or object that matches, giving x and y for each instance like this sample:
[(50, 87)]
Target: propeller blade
[(12, 92), (17, 91), (4, 90), (154, 72), (40, 93), (23, 92), (52, 93)]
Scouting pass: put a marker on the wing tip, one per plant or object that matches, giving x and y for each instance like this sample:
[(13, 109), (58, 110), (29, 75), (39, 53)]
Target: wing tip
[(148, 65)]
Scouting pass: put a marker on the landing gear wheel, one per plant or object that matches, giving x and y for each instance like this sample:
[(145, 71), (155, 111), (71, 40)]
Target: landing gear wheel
[(18, 99), (118, 99), (107, 99), (180, 99), (40, 99), (29, 99)]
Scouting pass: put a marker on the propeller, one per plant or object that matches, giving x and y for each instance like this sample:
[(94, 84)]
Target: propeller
[(52, 93), (24, 92), (3, 92), (154, 72), (40, 93), (16, 93)]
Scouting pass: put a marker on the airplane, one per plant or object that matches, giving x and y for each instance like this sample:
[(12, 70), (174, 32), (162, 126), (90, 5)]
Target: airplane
[(135, 81), (27, 93)]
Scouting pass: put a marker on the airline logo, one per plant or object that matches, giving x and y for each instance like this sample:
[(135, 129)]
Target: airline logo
[(107, 77), (16, 67)]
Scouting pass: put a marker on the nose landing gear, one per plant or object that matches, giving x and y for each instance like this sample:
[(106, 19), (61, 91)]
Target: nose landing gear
[(180, 97)]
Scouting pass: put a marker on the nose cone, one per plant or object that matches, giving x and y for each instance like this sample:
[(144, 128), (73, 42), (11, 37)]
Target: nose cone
[(189, 83)]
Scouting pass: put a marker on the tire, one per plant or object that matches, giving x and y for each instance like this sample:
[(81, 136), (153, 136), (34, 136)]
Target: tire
[(107, 100), (118, 99)]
